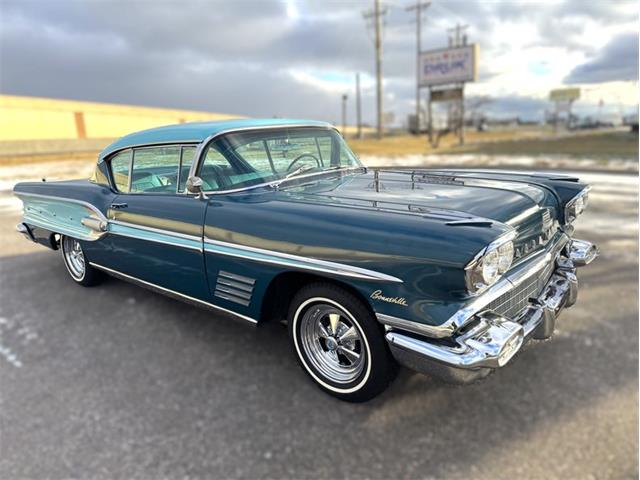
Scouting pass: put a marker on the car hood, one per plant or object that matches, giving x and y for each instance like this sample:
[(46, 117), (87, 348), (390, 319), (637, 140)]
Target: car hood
[(428, 194)]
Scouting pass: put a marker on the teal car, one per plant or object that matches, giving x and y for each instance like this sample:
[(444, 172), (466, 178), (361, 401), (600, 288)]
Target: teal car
[(448, 272)]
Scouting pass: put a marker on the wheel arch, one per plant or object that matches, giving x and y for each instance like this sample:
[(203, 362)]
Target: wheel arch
[(287, 284)]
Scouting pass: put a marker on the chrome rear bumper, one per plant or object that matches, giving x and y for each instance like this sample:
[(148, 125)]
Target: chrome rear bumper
[(491, 340)]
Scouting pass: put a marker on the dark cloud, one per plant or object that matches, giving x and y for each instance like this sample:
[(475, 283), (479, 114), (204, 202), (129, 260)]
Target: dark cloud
[(618, 60), (238, 56)]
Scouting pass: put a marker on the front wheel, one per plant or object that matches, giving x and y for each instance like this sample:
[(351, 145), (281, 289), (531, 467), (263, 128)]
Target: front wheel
[(77, 265), (339, 343)]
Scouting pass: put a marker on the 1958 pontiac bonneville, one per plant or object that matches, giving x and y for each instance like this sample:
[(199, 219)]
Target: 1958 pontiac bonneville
[(448, 272)]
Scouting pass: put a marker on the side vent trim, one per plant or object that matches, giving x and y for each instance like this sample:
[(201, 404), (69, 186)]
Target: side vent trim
[(234, 288)]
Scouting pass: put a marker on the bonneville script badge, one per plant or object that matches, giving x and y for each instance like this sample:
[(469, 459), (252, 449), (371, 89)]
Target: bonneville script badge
[(377, 295)]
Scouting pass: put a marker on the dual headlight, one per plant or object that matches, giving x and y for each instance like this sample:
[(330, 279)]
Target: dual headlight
[(490, 264), (576, 206)]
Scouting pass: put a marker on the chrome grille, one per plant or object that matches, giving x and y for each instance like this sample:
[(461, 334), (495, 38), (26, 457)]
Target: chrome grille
[(512, 303)]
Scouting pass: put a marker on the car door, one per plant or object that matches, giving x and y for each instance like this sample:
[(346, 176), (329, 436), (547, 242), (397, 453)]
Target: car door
[(155, 230)]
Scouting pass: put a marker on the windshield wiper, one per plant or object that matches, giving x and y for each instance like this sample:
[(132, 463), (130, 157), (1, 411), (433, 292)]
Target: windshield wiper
[(298, 171)]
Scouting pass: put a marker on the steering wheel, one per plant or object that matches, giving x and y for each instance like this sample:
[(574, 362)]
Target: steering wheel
[(300, 157)]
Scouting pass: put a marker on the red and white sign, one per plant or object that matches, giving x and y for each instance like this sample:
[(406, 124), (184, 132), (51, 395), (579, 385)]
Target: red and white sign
[(448, 65)]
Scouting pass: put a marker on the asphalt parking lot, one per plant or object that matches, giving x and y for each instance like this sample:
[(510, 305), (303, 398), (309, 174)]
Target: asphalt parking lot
[(118, 382)]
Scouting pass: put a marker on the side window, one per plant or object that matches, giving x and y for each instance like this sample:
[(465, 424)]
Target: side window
[(215, 167), (120, 164), (155, 170), (188, 154)]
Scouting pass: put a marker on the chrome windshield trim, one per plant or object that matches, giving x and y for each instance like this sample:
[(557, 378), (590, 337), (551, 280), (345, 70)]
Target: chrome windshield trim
[(198, 158), (278, 182), (172, 292), (299, 262), (64, 199)]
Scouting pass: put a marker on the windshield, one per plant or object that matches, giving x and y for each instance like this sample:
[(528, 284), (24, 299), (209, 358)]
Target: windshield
[(243, 159)]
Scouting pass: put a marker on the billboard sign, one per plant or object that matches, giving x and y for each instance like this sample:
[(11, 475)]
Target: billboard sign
[(564, 94), (449, 65)]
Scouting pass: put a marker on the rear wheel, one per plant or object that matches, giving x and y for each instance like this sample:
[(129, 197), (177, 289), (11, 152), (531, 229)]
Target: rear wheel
[(339, 343), (77, 265)]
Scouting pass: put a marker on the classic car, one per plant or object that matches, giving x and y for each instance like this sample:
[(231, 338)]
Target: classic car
[(448, 272)]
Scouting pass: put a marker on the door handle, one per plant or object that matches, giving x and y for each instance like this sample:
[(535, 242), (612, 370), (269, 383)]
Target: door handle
[(118, 206)]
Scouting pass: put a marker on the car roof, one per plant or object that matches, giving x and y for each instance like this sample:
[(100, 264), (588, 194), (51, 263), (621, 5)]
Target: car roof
[(197, 132)]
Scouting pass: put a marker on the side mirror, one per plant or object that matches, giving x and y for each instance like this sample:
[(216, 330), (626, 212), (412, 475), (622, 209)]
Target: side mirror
[(194, 186)]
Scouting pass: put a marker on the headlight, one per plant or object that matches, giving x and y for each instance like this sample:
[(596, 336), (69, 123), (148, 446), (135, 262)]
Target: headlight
[(489, 264), (576, 206)]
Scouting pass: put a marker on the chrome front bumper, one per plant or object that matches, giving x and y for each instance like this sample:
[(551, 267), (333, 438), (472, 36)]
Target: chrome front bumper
[(490, 340)]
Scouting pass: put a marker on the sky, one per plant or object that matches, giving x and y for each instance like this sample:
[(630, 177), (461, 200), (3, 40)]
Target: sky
[(295, 58)]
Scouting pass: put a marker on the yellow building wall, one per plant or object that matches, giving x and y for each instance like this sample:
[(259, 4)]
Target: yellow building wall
[(31, 118)]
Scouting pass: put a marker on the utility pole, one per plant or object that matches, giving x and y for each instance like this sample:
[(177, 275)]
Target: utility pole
[(377, 14), (358, 106), (344, 115), (457, 38), (418, 7)]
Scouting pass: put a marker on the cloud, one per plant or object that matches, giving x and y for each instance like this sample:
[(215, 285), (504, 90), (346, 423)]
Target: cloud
[(288, 58), (618, 60)]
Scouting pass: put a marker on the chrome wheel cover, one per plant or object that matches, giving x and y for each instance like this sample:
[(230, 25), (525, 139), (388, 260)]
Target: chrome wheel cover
[(332, 343), (73, 257)]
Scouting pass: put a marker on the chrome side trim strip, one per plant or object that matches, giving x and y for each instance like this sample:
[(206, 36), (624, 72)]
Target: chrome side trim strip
[(64, 199), (57, 228), (295, 261), (150, 234), (434, 331), (157, 230), (157, 240), (172, 292)]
